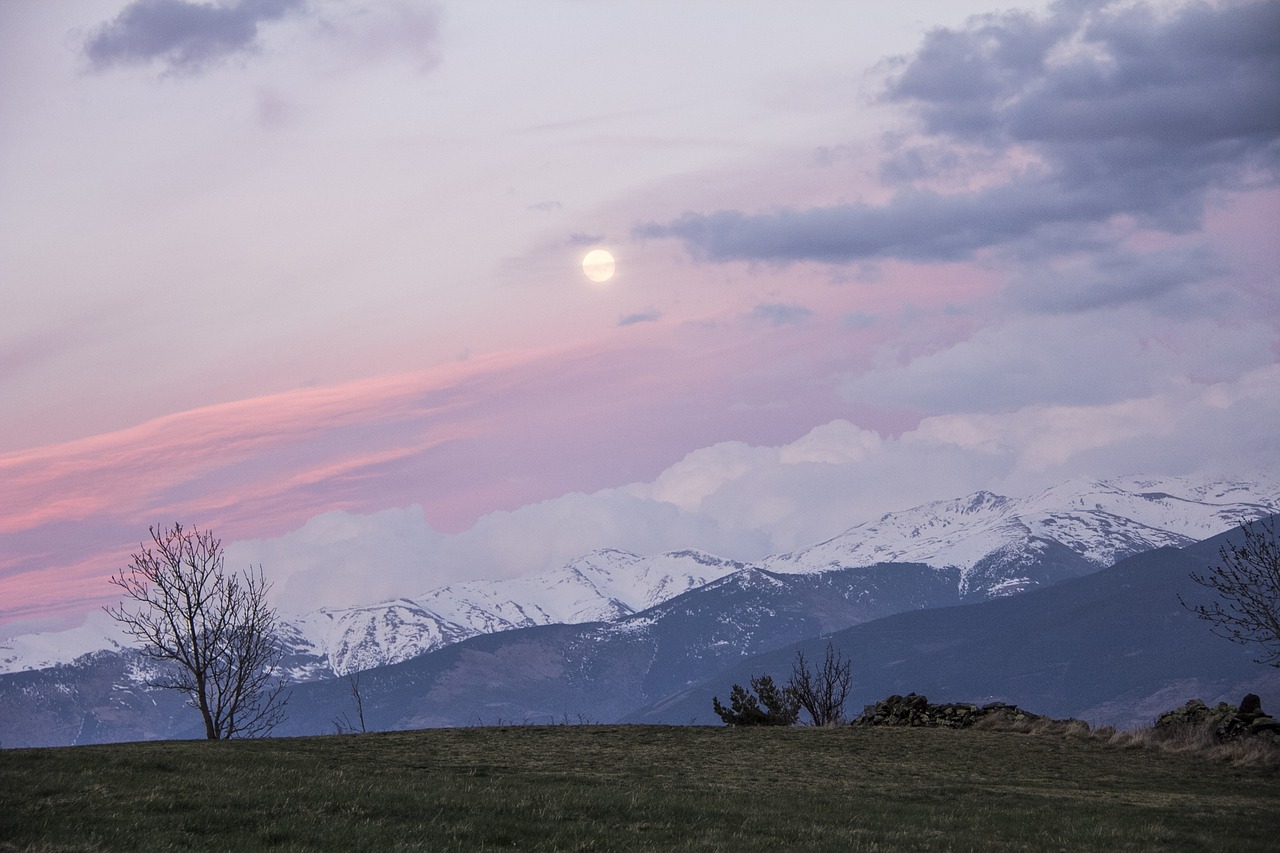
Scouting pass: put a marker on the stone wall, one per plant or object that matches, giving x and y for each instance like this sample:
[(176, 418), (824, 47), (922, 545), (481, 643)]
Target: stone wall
[(1246, 720), (916, 710)]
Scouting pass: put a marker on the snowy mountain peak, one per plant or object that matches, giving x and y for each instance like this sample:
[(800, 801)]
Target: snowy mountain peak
[(1099, 521), (982, 501)]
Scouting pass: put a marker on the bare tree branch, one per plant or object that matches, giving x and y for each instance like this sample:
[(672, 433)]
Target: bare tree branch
[(1247, 581), (215, 628), (344, 724), (822, 693)]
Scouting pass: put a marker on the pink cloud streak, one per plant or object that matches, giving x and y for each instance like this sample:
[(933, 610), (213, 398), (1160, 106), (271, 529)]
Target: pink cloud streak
[(461, 441), (129, 471)]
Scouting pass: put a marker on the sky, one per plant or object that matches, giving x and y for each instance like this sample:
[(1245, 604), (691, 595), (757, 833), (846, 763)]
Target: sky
[(308, 273)]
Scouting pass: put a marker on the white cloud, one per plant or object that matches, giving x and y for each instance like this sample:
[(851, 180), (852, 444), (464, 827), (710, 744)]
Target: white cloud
[(838, 442), (703, 472)]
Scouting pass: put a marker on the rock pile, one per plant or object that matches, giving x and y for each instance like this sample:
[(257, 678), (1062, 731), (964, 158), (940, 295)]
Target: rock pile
[(915, 710), (1228, 723)]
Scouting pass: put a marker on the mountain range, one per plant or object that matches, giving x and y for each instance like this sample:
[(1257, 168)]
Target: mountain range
[(619, 636), (997, 545)]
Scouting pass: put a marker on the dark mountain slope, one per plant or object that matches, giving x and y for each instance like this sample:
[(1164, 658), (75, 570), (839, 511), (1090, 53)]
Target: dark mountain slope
[(1113, 647), (93, 700)]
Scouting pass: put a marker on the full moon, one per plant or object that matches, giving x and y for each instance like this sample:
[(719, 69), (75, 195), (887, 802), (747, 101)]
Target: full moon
[(598, 265)]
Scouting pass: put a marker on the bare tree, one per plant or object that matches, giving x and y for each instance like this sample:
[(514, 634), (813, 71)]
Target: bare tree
[(822, 693), (214, 629), (1247, 582), (344, 724)]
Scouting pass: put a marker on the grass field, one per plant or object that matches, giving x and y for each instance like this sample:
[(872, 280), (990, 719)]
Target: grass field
[(634, 788)]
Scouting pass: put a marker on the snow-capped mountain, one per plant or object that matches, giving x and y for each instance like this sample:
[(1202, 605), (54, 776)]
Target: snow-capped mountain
[(1001, 546), (601, 586), (1076, 527)]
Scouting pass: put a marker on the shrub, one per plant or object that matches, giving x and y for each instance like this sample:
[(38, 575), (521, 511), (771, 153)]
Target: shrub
[(765, 704)]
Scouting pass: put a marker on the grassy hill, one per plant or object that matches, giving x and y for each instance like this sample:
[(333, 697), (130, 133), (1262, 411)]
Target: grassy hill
[(634, 788)]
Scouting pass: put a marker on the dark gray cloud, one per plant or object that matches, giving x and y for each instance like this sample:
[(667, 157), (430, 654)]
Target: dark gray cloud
[(641, 317), (184, 35), (579, 239), (1143, 117), (917, 225), (781, 313), (1150, 114)]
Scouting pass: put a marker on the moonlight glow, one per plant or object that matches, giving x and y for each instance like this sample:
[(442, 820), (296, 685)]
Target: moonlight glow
[(598, 265)]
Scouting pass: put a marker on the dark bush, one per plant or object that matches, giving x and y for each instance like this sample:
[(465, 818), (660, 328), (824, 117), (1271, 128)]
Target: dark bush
[(765, 704)]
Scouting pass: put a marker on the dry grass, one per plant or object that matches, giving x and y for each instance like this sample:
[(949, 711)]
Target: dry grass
[(1197, 740), (1038, 726)]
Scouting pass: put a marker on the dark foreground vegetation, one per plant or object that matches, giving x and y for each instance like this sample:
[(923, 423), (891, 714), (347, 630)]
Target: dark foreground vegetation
[(641, 787)]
